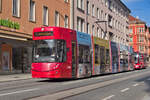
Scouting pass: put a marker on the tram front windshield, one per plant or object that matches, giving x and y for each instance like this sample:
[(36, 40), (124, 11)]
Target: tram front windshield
[(49, 51)]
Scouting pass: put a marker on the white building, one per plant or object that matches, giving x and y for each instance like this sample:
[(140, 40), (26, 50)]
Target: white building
[(106, 19)]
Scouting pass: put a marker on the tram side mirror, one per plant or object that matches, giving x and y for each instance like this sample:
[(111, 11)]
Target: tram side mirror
[(67, 49)]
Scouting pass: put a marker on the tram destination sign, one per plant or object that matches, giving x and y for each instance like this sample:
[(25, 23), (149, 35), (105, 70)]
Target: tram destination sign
[(45, 33), (10, 24)]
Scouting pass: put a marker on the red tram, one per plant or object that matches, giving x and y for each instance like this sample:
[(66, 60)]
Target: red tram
[(52, 52), (65, 53), (140, 60)]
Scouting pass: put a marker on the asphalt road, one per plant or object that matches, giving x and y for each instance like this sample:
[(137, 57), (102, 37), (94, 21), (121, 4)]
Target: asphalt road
[(134, 85)]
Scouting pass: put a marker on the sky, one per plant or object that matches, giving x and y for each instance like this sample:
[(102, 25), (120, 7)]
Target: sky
[(139, 8)]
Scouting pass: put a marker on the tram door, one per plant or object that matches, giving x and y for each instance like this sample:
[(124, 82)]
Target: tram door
[(73, 59)]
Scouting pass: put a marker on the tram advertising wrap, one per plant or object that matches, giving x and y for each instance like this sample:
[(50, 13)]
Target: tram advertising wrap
[(65, 53)]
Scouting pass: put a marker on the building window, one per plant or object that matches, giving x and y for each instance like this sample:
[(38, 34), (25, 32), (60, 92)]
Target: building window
[(97, 32), (66, 21), (103, 1), (93, 13), (141, 39), (106, 2), (0, 5), (98, 13), (88, 6), (32, 11), (102, 34), (131, 39), (110, 21), (80, 24), (45, 15), (138, 30), (80, 4), (109, 5), (56, 18), (16, 8), (141, 48), (66, 1), (105, 16), (102, 15), (142, 30), (88, 28), (93, 30)]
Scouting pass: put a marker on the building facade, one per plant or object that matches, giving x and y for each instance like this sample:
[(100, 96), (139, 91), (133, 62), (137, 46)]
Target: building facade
[(17, 20), (149, 42), (139, 35), (107, 19)]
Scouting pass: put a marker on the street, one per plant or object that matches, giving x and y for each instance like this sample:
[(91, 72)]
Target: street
[(133, 85)]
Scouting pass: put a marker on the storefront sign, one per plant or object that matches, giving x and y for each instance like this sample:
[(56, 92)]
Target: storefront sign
[(9, 24)]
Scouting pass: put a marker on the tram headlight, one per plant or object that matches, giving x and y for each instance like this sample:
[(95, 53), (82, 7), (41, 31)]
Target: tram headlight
[(136, 66), (56, 66)]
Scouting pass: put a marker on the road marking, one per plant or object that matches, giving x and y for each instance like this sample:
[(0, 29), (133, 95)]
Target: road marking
[(135, 84), (124, 90), (109, 97), (4, 94), (83, 89), (142, 82), (71, 82)]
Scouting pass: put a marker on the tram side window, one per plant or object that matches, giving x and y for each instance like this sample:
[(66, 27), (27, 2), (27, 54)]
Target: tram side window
[(61, 50), (84, 54), (102, 55), (96, 54), (80, 54), (107, 56)]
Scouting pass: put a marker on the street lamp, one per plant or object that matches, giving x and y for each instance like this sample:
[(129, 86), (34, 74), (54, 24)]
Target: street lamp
[(102, 21)]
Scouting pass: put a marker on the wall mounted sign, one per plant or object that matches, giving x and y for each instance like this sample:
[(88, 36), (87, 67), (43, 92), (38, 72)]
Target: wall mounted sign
[(10, 24)]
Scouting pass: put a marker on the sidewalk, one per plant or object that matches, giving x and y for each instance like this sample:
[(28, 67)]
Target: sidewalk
[(13, 77)]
